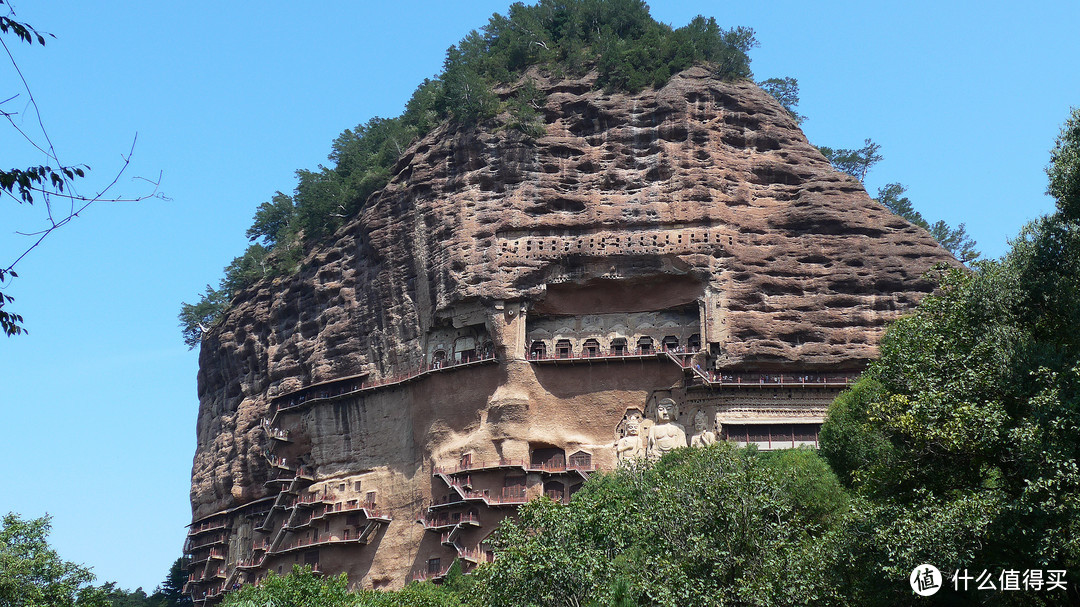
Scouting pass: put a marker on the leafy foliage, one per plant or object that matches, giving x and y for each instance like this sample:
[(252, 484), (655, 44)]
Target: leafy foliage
[(1064, 169), (32, 573), (118, 597), (44, 183), (302, 588), (196, 318), (168, 594), (856, 163), (710, 526), (484, 80), (963, 436), (171, 591), (23, 31), (786, 91), (955, 240)]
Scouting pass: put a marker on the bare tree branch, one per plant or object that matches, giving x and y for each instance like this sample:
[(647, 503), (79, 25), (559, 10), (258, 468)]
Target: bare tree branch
[(44, 180)]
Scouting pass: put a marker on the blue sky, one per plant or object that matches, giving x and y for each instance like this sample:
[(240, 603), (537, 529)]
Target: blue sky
[(229, 99)]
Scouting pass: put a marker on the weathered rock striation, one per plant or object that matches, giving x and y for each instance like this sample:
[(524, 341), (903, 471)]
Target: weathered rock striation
[(497, 317)]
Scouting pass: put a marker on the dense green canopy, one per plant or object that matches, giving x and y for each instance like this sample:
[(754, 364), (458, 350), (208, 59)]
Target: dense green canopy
[(964, 438)]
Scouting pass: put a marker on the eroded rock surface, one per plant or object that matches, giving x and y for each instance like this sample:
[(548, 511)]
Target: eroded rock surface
[(698, 211)]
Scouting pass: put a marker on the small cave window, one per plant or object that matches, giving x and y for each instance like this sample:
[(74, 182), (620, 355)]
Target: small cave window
[(538, 350), (465, 461), (693, 343), (581, 459), (591, 348), (514, 487), (555, 490), (645, 345), (464, 349), (487, 350), (563, 348), (618, 346), (551, 458), (670, 343), (438, 359), (433, 565)]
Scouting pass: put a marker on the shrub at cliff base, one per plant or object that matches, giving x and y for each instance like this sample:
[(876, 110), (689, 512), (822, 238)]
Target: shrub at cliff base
[(964, 438), (302, 588), (712, 526)]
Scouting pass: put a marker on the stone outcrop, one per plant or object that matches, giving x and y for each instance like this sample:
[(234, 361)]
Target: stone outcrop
[(696, 216)]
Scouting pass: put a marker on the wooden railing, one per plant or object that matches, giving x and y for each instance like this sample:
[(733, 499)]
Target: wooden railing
[(774, 380), (299, 398), (435, 522), (207, 526)]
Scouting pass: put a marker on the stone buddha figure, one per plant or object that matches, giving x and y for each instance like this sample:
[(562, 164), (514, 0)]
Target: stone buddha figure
[(719, 427), (630, 446), (702, 437), (665, 435)]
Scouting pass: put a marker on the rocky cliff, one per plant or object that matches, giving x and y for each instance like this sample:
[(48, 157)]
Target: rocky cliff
[(702, 199)]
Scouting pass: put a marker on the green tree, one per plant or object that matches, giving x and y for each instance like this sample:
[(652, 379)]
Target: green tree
[(720, 525), (171, 591), (963, 436), (855, 162), (416, 594), (301, 588), (1064, 168), (786, 91), (33, 574), (245, 270), (956, 240), (118, 597), (198, 317), (273, 221)]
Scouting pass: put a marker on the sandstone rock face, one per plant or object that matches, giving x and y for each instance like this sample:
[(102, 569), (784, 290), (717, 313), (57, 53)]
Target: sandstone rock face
[(696, 216)]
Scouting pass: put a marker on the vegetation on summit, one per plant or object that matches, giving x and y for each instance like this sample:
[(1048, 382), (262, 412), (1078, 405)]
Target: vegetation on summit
[(858, 162), (485, 80), (618, 38)]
